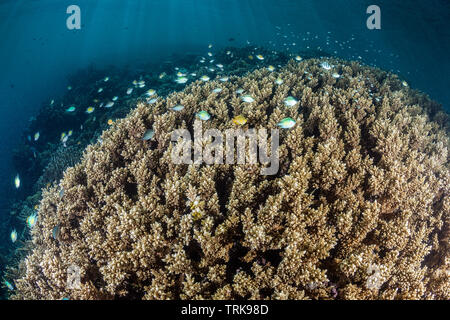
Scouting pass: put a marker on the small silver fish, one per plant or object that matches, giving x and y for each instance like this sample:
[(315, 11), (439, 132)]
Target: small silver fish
[(31, 220), (181, 80), (178, 107), (56, 232), (17, 182), (336, 75), (203, 115), (148, 135), (247, 98), (290, 101), (325, 65), (14, 236), (9, 285), (286, 123)]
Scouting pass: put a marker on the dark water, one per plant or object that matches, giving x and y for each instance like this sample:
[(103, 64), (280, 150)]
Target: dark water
[(38, 53)]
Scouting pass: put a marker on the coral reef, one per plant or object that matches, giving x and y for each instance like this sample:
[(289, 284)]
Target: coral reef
[(60, 160), (63, 134), (359, 208)]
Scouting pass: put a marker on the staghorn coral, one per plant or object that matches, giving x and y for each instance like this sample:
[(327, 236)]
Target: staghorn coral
[(359, 208), (60, 160)]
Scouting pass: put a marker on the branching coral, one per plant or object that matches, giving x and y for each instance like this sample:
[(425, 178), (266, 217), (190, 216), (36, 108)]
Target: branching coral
[(359, 208), (62, 159)]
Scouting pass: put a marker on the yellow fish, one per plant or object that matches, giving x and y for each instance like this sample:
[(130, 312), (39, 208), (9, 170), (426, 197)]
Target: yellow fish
[(239, 120), (250, 57), (110, 122)]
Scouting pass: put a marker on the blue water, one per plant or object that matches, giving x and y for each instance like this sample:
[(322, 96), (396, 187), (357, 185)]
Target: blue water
[(38, 52)]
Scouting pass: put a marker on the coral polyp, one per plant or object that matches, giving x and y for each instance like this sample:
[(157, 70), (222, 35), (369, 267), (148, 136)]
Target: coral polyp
[(359, 207)]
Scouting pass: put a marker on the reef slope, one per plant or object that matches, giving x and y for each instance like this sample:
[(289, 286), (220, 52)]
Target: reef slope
[(359, 208)]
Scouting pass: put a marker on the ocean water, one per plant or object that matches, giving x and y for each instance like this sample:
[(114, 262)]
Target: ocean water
[(39, 55)]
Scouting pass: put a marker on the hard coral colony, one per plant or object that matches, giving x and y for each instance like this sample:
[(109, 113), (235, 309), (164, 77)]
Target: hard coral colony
[(359, 208)]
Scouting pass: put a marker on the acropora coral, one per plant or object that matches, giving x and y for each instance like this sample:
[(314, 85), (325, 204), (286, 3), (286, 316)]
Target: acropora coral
[(60, 160), (359, 208)]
